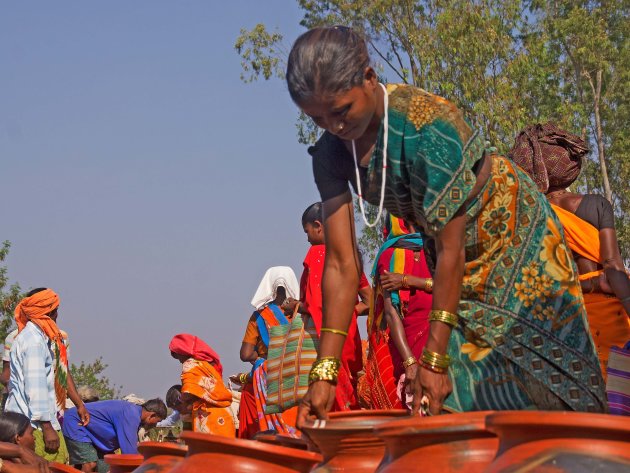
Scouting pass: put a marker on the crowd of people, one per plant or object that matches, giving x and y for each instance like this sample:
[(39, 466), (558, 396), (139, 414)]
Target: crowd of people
[(495, 288)]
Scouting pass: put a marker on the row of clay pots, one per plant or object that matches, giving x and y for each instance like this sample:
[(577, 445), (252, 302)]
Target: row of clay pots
[(392, 442)]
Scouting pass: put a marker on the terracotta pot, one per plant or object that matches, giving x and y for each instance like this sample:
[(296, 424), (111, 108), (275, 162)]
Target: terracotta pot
[(159, 464), (572, 438), (238, 455), (347, 440), (123, 463), (151, 449), (441, 444), (61, 468), (285, 441)]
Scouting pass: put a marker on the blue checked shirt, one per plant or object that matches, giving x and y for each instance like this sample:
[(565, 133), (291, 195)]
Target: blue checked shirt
[(32, 382)]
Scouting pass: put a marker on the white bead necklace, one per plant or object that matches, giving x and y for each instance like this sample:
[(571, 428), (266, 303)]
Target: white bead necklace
[(356, 166)]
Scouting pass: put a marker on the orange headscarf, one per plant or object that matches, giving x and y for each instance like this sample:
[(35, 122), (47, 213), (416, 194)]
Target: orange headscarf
[(35, 309)]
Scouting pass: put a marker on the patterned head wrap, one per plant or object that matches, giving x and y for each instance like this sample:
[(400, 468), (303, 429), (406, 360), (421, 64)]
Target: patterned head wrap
[(394, 227), (35, 309), (551, 156), (194, 347)]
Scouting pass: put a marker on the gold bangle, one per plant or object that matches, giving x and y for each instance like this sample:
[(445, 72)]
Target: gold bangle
[(243, 378), (428, 285), (325, 369), (444, 316), (334, 330), (434, 368), (409, 361), (435, 359), (405, 282)]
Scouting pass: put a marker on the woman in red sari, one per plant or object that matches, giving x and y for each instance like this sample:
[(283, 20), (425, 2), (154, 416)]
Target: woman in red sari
[(311, 304), (399, 320)]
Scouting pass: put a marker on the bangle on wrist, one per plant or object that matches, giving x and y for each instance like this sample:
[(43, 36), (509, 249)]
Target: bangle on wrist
[(435, 359), (434, 368), (409, 361), (444, 316), (428, 285), (325, 369), (334, 330), (405, 281)]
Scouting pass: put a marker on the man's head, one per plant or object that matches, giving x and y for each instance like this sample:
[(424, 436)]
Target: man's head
[(153, 411), (174, 397), (312, 223), (36, 306)]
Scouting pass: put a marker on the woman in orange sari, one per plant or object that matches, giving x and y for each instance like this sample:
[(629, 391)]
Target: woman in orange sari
[(202, 385), (553, 158)]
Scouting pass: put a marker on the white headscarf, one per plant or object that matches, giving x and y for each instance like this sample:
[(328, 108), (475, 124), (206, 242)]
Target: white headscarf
[(268, 287)]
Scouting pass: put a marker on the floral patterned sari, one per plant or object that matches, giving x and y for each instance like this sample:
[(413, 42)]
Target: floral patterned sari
[(210, 411)]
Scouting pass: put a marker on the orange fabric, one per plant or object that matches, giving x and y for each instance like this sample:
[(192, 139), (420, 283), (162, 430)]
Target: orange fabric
[(609, 324), (253, 337), (581, 236), (209, 411), (36, 309)]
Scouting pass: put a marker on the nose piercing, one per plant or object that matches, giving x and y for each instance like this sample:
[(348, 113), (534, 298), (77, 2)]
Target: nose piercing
[(340, 126)]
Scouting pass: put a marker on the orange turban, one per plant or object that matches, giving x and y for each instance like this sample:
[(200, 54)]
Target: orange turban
[(36, 309)]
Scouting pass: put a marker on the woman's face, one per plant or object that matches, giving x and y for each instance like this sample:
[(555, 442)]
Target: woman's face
[(346, 114), (26, 440)]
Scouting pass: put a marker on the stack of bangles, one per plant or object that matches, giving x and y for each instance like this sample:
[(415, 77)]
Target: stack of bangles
[(242, 378), (444, 316), (434, 361), (325, 369)]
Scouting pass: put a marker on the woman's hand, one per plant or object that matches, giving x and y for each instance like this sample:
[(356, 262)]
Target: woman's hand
[(391, 281), (436, 387), (412, 387), (317, 402), (604, 286)]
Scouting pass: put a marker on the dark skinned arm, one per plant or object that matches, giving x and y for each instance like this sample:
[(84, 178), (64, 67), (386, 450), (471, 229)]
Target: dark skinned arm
[(83, 413), (613, 266), (449, 274), (6, 373), (248, 353), (341, 279)]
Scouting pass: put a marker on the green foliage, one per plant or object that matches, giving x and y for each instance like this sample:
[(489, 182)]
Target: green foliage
[(262, 53), (90, 374), (507, 63), (10, 295)]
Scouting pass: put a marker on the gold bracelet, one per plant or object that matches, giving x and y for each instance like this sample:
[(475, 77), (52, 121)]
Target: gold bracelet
[(444, 316), (405, 282), (409, 361), (325, 369), (428, 285), (334, 330), (434, 368), (243, 378), (435, 359)]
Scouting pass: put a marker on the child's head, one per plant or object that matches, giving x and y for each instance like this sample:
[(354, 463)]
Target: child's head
[(312, 223), (16, 428), (174, 397)]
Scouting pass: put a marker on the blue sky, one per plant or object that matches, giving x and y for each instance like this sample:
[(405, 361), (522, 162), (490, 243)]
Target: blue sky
[(141, 179)]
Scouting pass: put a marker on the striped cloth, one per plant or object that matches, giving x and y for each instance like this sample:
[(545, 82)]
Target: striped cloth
[(618, 384), (292, 352)]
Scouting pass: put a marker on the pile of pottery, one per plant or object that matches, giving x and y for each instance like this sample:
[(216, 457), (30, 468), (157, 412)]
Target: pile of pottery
[(393, 442)]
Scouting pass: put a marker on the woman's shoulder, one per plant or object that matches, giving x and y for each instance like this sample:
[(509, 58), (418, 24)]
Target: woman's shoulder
[(420, 108)]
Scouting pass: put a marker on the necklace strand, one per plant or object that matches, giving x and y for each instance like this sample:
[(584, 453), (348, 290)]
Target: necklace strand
[(356, 166)]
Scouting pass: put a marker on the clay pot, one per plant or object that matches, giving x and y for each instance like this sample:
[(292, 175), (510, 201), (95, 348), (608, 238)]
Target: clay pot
[(284, 440), (159, 464), (151, 449), (553, 438), (238, 455), (123, 463), (61, 468), (440, 444), (347, 440)]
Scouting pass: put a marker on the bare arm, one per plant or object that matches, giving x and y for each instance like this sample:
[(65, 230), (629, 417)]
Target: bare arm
[(248, 352), (6, 373), (341, 273), (613, 266), (396, 329), (84, 415)]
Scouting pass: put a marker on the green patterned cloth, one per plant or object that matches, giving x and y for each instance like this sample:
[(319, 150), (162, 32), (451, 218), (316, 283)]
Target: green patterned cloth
[(523, 340)]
